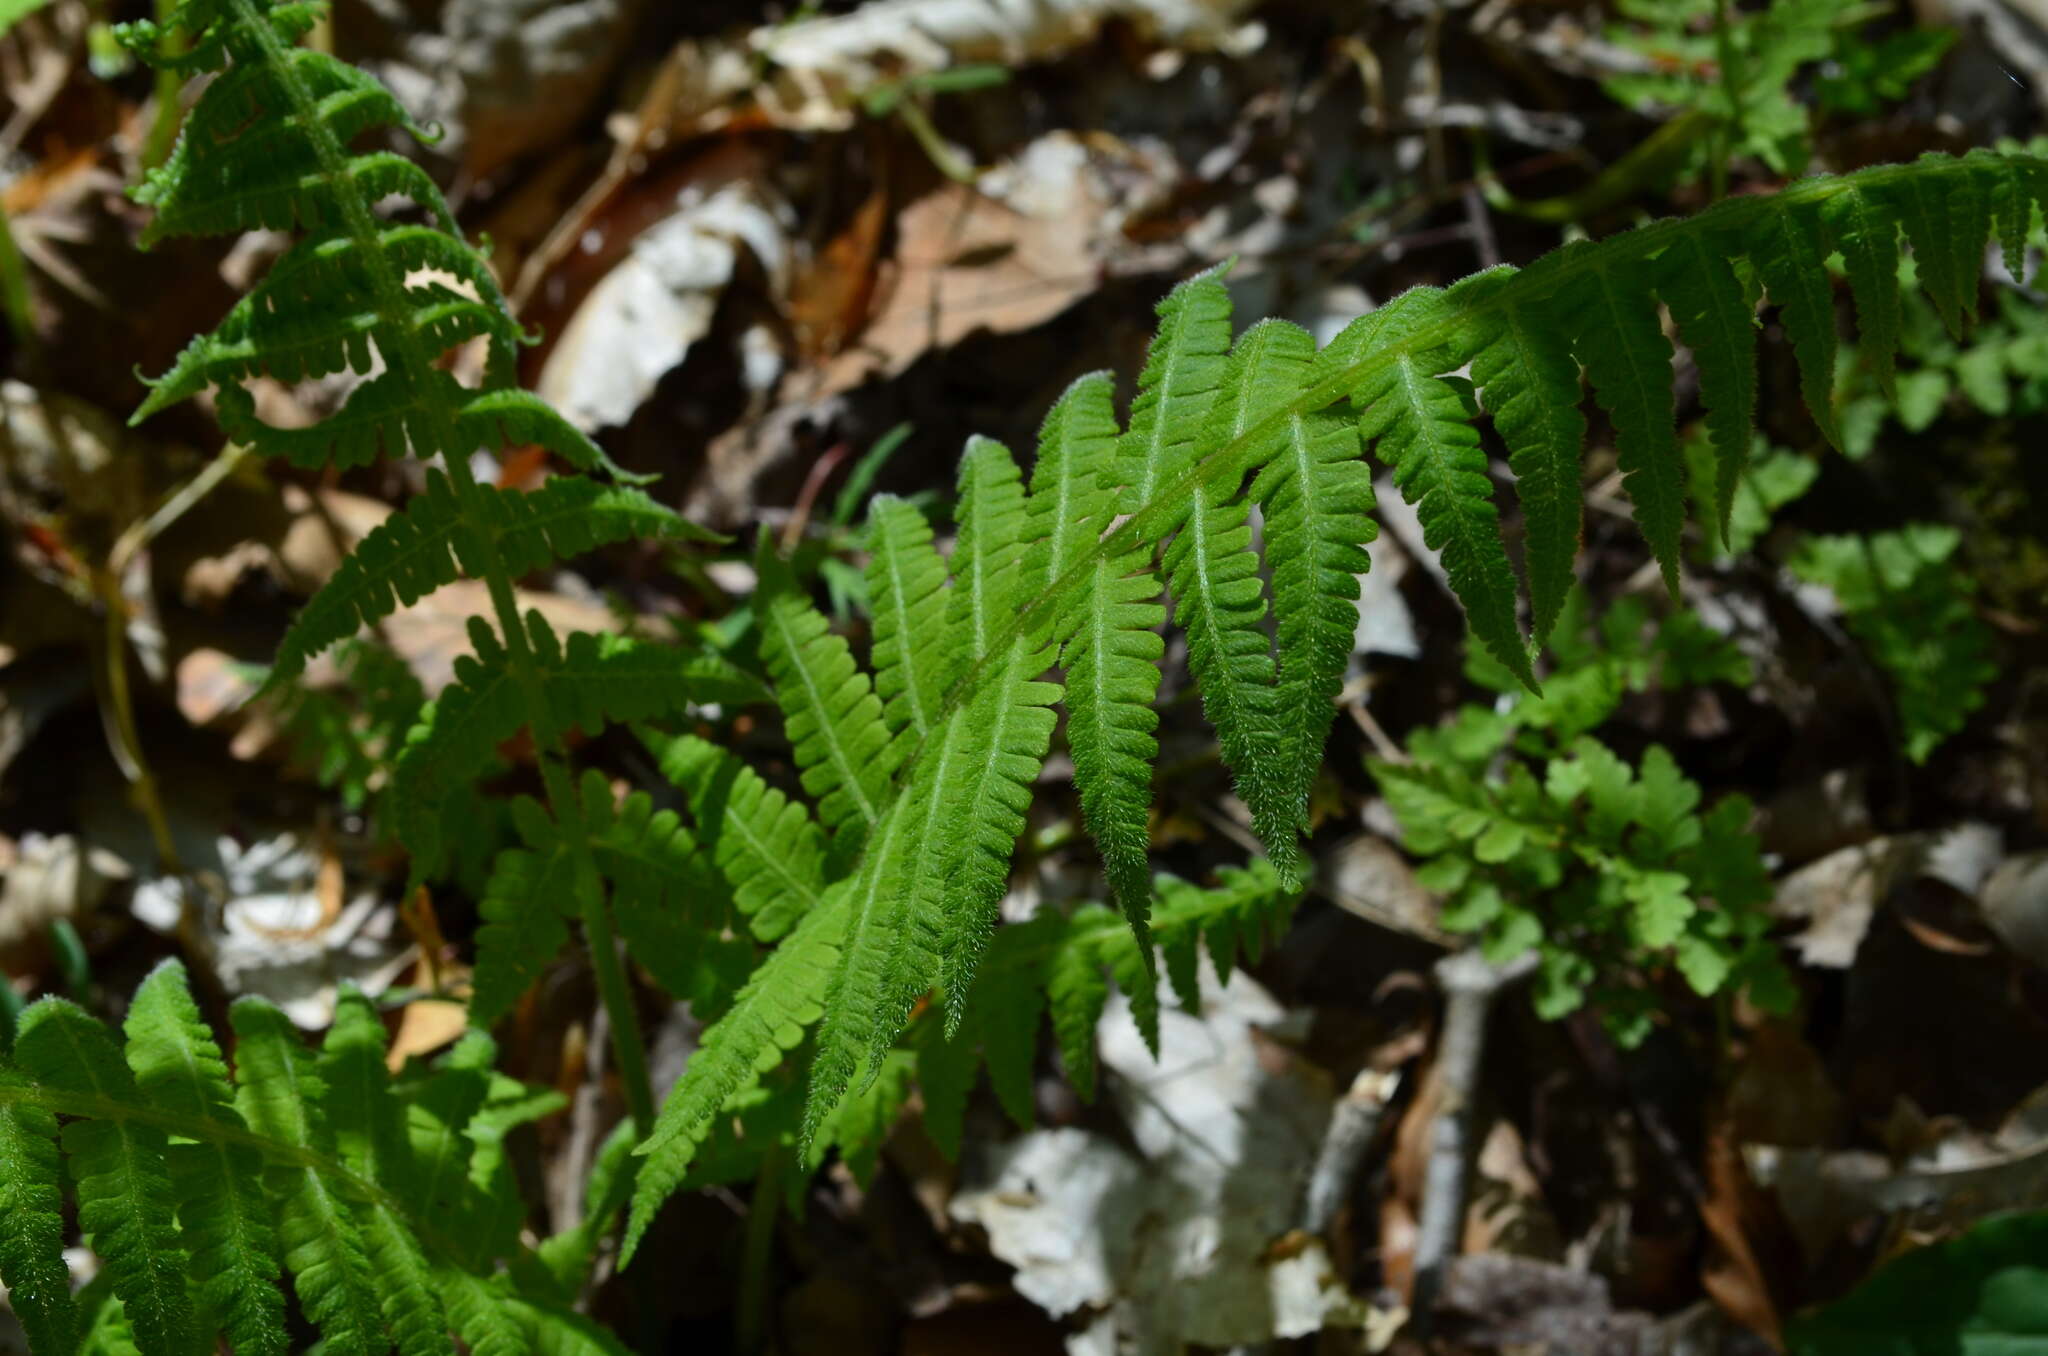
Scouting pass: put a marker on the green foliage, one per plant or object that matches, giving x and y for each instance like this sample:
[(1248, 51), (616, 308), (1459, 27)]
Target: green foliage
[(1983, 1294), (922, 765), (1911, 610), (1736, 69), (384, 1201), (1541, 836)]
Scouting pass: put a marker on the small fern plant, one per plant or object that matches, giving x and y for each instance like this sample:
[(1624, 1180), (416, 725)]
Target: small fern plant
[(388, 1204), (1541, 837)]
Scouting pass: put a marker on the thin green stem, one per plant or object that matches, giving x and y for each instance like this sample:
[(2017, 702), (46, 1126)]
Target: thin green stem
[(756, 1253), (413, 356), (170, 89), (14, 294)]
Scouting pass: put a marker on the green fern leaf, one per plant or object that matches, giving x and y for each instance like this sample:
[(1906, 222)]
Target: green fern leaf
[(1421, 426), (1947, 223), (123, 1183), (1612, 316), (834, 720), (990, 551), (914, 656), (429, 545), (1866, 234), (1183, 369), (1068, 500), (370, 1136), (530, 890), (480, 1316), (105, 1330), (1111, 651), (1221, 603), (770, 1015), (280, 1095), (599, 678), (1526, 374), (1315, 494), (1719, 323), (32, 1219), (768, 847), (1787, 251), (222, 1211)]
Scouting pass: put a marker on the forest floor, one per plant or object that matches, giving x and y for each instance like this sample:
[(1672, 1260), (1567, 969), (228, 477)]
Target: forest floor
[(783, 295)]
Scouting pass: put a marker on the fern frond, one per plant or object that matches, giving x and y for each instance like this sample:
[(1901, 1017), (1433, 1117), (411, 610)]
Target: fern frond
[(280, 1094), (218, 1185), (767, 845), (1183, 369), (1866, 234), (834, 720), (123, 1183), (428, 545)]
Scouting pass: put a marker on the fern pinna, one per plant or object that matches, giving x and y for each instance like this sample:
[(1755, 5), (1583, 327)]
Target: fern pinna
[(387, 1204)]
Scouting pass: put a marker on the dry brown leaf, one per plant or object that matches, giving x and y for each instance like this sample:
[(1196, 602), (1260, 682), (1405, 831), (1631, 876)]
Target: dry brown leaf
[(1750, 1245)]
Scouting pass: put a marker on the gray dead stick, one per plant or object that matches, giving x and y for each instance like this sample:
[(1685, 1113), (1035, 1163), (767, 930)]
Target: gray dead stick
[(1470, 984), (1354, 1124)]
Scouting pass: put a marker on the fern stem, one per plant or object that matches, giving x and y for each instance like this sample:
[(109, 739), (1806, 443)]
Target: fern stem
[(415, 359)]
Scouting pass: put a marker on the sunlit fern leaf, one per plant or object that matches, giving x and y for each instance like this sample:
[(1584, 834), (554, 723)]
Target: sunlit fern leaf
[(531, 889), (478, 1313), (233, 169), (1008, 729), (768, 1018), (834, 720), (598, 678), (1717, 322), (989, 552), (32, 1220), (222, 1211), (888, 953), (280, 1095), (122, 1181), (1183, 368), (369, 1135), (767, 846), (1867, 237), (1110, 648), (1420, 425), (516, 416), (1786, 248), (1525, 373), (1068, 501), (429, 544), (914, 656)]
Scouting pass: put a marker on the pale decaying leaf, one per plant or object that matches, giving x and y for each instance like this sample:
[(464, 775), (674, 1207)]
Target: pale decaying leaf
[(818, 69), (277, 923), (640, 320), (1174, 1245), (1836, 896)]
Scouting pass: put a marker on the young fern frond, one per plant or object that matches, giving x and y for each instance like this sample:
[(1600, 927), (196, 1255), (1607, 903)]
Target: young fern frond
[(382, 1199), (1214, 430), (268, 145)]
